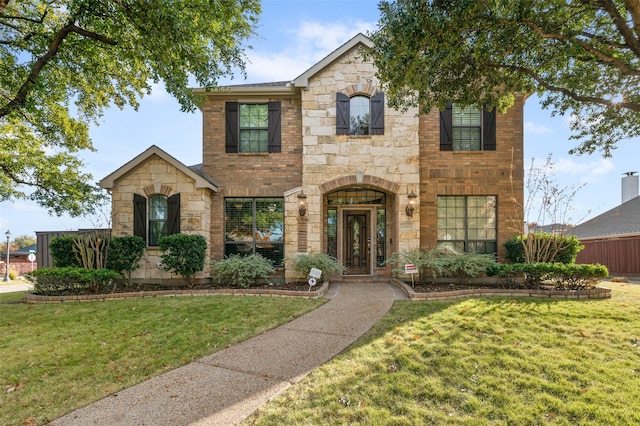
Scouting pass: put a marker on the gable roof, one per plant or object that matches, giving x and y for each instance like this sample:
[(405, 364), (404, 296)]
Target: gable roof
[(201, 179), (303, 79), (285, 88), (621, 220)]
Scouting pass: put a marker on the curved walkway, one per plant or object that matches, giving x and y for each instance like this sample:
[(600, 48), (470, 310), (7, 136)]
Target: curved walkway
[(226, 387)]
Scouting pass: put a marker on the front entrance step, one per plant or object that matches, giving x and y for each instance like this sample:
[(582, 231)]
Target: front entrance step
[(360, 279)]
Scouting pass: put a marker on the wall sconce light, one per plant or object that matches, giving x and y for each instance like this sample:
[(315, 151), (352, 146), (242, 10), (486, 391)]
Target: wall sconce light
[(302, 203), (411, 205)]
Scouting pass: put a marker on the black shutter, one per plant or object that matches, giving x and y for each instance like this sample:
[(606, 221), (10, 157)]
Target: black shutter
[(140, 216), (489, 130), (377, 114), (274, 127), (173, 216), (446, 128), (343, 112), (232, 126)]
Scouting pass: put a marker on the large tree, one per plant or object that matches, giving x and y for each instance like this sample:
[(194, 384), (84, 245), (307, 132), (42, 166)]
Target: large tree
[(63, 62), (581, 56)]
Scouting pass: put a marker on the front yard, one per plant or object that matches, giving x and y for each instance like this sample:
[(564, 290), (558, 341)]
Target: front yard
[(58, 357), (481, 361)]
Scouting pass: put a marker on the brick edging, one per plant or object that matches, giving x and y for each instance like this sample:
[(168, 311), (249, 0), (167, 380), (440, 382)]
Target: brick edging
[(594, 293), (316, 294)]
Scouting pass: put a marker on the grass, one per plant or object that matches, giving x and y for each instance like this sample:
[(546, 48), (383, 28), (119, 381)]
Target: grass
[(481, 361), (56, 358)]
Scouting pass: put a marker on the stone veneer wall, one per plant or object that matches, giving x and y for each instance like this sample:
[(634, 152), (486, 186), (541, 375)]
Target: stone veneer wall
[(156, 176), (499, 172), (392, 157)]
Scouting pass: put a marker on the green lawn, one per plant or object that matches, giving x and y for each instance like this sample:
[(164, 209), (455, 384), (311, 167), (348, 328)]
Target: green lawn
[(482, 361), (55, 358)]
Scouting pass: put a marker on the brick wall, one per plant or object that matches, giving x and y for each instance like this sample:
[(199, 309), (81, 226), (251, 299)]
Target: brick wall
[(249, 174), (499, 172)]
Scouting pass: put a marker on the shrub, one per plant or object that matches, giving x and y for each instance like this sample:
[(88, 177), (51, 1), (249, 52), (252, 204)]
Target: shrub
[(86, 250), (184, 255), (302, 263), (434, 262), (125, 254), (242, 271), (429, 262), (466, 265), (563, 276), (64, 253), (578, 277), (543, 248), (71, 280)]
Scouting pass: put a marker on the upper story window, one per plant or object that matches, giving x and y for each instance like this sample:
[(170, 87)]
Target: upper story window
[(359, 114), (162, 217), (467, 129), (252, 127)]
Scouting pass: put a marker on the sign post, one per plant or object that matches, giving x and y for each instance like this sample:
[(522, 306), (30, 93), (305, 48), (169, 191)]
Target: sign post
[(410, 269), (31, 258), (315, 274)]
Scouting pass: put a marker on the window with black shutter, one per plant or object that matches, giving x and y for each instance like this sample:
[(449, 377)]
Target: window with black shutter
[(359, 114), (161, 218), (253, 127), (467, 129)]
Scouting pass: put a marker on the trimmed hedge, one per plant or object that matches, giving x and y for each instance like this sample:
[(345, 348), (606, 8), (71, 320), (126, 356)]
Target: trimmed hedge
[(71, 280), (184, 254), (562, 276)]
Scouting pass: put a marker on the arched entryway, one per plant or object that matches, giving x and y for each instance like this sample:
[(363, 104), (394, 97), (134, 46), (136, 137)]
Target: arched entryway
[(358, 229)]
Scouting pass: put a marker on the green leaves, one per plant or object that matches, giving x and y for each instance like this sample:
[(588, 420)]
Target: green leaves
[(183, 255), (62, 62), (582, 58)]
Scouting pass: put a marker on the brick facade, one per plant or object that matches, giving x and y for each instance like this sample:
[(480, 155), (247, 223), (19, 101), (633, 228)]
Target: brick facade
[(316, 160)]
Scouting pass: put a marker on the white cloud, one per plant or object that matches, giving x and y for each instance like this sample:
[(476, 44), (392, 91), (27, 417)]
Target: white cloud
[(591, 168), (536, 129), (303, 46)]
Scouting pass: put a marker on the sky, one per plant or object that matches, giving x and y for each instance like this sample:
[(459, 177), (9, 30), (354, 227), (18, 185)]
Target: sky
[(292, 36)]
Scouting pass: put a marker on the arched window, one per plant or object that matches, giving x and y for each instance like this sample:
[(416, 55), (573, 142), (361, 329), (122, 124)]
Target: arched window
[(155, 217), (158, 215), (359, 115)]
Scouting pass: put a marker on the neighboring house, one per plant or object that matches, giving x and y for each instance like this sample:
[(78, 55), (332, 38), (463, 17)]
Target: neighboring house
[(321, 163), (18, 260), (613, 239)]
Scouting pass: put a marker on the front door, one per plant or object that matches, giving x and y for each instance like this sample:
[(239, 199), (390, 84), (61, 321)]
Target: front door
[(356, 242)]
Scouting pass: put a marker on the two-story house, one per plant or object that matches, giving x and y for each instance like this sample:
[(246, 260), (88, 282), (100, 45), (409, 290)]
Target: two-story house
[(321, 163)]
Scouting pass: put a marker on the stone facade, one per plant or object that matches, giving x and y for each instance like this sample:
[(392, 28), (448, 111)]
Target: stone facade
[(155, 175), (317, 161)]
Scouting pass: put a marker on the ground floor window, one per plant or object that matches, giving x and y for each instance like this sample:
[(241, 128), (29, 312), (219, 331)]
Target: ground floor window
[(467, 223), (255, 225)]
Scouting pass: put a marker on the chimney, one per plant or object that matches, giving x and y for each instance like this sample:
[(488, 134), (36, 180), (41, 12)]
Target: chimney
[(629, 186)]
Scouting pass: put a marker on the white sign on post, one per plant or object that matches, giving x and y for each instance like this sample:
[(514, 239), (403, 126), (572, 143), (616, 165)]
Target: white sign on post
[(31, 258), (411, 269), (315, 273)]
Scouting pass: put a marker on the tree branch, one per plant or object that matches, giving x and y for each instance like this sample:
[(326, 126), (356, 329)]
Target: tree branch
[(41, 62), (19, 181), (633, 106), (621, 24)]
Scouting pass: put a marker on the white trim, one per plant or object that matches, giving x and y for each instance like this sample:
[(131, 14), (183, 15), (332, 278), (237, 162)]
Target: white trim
[(201, 182)]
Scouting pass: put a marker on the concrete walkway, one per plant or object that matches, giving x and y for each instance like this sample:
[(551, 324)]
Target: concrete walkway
[(226, 387)]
